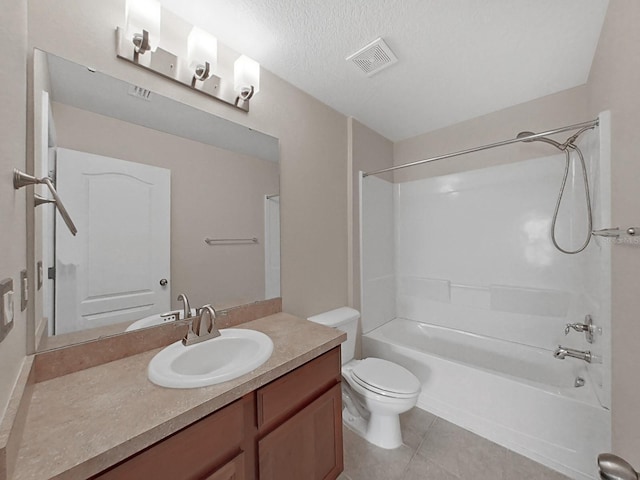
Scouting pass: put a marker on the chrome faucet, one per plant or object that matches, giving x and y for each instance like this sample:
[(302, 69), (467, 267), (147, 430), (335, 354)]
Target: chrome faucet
[(187, 308), (563, 352), (202, 327)]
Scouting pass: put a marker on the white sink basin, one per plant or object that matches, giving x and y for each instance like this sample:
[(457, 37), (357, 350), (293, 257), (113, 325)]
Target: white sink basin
[(235, 352)]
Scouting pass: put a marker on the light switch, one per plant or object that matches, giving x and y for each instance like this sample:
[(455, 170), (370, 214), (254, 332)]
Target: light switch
[(40, 274), (6, 306), (24, 290)]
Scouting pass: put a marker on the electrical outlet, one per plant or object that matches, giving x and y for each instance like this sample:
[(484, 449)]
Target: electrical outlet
[(24, 290), (40, 271), (6, 307)]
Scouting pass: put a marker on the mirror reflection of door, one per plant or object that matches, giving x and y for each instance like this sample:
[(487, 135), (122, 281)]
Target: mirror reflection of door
[(111, 271), (221, 173)]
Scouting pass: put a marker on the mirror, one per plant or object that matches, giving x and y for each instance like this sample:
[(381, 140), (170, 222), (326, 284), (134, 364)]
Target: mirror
[(167, 199)]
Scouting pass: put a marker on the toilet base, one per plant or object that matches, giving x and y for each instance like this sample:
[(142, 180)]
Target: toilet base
[(384, 431), (380, 430)]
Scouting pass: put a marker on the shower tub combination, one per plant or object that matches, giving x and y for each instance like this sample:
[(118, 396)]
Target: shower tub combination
[(474, 304), (515, 395)]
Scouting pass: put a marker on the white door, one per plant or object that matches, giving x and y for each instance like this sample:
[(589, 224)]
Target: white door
[(111, 271)]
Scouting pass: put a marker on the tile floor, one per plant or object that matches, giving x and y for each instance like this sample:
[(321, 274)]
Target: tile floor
[(435, 449)]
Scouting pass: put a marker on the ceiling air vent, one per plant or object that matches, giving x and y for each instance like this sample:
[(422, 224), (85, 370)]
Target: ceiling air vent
[(139, 92), (374, 57)]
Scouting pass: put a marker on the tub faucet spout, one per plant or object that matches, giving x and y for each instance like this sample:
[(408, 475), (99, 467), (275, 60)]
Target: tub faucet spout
[(563, 352)]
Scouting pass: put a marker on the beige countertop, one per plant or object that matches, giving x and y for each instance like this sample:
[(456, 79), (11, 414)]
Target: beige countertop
[(79, 424)]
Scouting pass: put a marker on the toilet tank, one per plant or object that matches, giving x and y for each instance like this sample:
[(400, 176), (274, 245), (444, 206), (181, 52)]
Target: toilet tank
[(344, 319)]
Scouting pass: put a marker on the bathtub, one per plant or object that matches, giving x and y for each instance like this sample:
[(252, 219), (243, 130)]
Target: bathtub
[(518, 396)]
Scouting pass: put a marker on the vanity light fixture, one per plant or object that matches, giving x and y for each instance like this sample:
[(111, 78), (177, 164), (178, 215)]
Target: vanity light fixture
[(202, 51), (138, 43), (143, 24), (246, 78)]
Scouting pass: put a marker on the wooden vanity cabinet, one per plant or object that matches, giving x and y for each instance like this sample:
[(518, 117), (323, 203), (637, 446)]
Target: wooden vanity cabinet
[(308, 445), (234, 470), (300, 423), (207, 449), (290, 429)]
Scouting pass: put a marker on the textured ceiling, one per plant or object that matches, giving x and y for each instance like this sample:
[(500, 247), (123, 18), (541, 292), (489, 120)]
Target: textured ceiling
[(458, 59)]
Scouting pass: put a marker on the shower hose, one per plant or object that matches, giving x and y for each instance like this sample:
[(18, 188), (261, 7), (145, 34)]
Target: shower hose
[(567, 152)]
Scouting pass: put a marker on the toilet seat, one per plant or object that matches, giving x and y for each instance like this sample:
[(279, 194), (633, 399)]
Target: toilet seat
[(385, 378)]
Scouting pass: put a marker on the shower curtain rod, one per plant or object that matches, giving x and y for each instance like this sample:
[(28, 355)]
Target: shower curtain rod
[(591, 124)]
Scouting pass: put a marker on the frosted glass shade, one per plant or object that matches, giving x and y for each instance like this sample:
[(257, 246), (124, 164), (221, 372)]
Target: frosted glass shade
[(202, 47), (143, 15), (246, 74)]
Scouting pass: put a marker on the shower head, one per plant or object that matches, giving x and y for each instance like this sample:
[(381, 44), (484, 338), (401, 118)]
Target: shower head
[(559, 146), (526, 134)]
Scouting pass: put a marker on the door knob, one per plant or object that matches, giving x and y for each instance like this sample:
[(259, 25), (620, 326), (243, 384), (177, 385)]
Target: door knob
[(164, 282), (613, 467)]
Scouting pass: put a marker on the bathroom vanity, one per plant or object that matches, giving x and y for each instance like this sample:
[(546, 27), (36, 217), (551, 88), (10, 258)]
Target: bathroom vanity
[(290, 428), (280, 421)]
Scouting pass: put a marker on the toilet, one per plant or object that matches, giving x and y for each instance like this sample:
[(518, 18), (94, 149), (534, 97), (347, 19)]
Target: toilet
[(374, 391)]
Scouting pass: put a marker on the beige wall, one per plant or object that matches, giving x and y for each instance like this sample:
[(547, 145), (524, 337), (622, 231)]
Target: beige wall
[(313, 146), (13, 37), (557, 110), (613, 85), (368, 151), (214, 192)]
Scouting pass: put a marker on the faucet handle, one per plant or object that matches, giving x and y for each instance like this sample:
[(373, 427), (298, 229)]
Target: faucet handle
[(192, 336), (201, 327), (578, 327), (588, 328)]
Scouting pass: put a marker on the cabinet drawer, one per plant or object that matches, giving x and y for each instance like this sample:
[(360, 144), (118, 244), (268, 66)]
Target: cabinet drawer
[(193, 452), (234, 470), (283, 397)]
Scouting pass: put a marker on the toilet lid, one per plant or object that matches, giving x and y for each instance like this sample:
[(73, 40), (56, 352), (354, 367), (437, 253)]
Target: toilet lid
[(386, 376)]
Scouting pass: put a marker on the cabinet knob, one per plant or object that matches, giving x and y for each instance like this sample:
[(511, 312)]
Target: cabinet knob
[(164, 282)]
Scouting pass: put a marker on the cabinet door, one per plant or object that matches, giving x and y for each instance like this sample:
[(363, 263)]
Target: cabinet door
[(308, 446)]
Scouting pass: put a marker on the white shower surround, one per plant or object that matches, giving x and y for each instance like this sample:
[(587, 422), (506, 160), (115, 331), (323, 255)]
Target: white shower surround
[(472, 252)]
